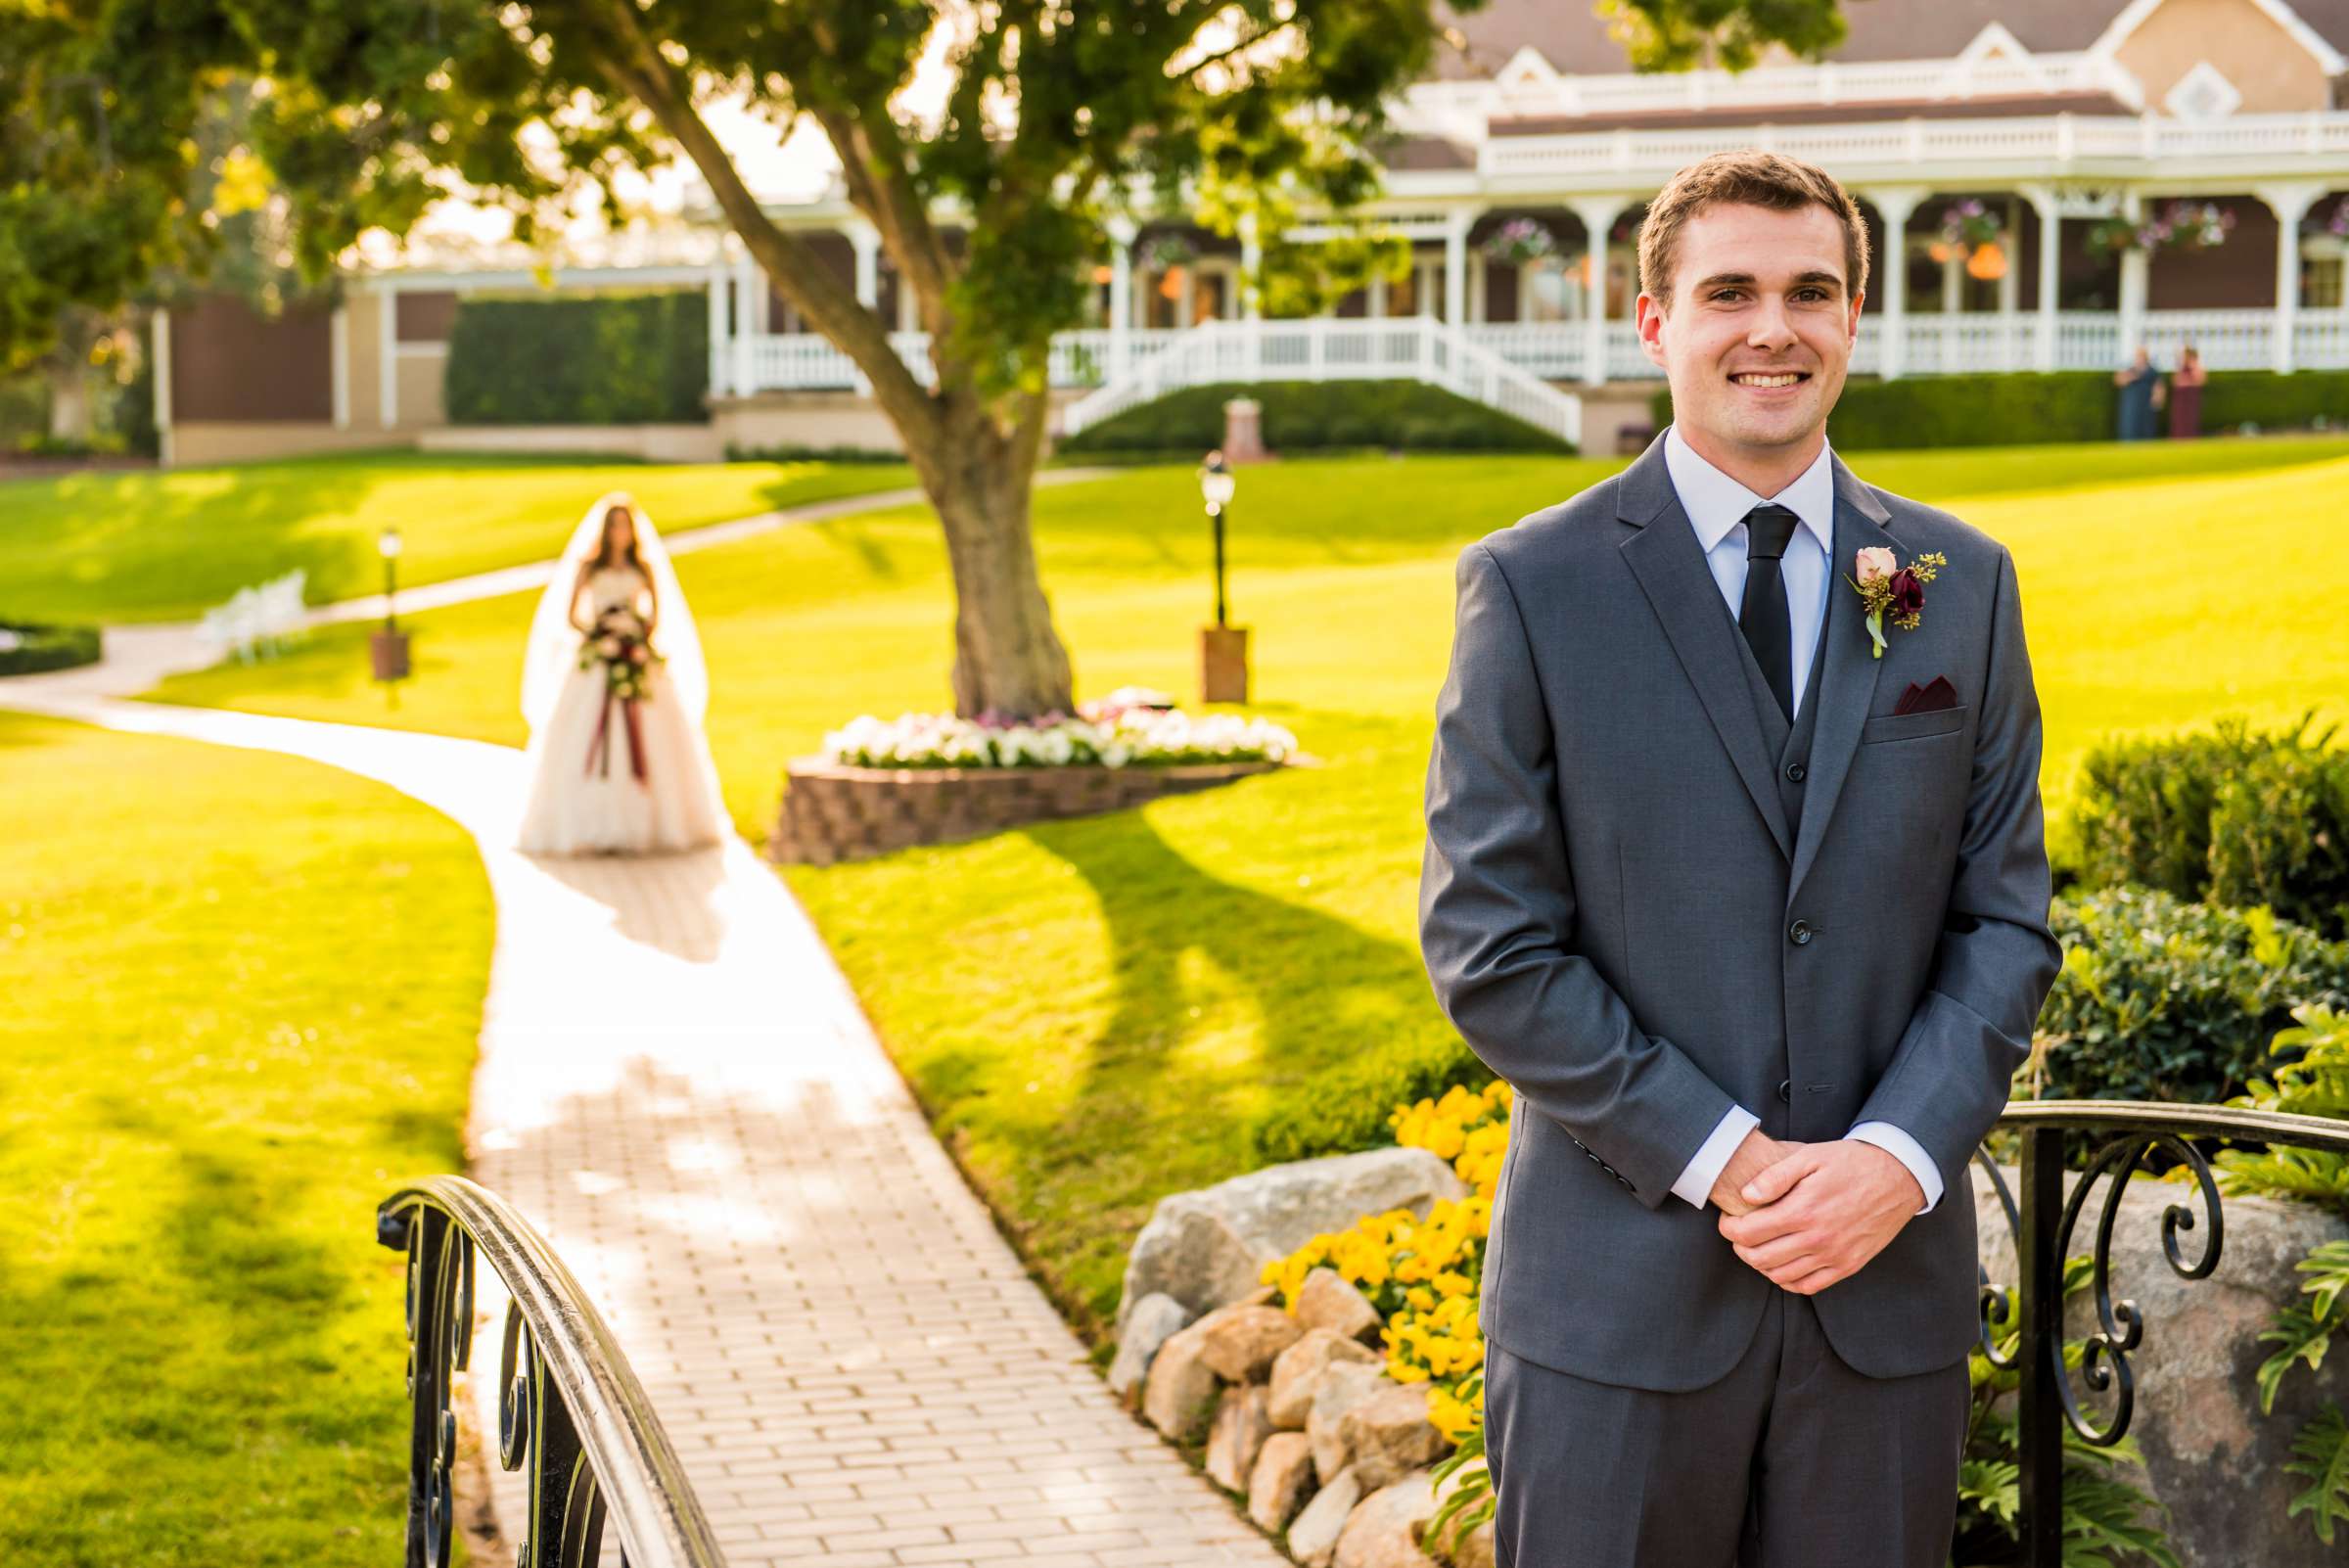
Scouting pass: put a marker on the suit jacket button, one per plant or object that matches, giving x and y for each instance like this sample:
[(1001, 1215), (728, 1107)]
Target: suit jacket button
[(1799, 933), (1794, 772), (1784, 1085)]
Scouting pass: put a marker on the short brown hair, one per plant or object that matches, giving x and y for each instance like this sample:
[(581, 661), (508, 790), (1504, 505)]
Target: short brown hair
[(1754, 178)]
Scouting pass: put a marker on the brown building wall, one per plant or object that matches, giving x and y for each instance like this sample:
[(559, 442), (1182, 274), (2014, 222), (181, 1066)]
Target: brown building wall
[(2273, 72), (231, 363), (2238, 273)]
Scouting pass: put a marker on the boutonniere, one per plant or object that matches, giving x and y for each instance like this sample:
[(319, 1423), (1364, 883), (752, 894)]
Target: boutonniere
[(1897, 590)]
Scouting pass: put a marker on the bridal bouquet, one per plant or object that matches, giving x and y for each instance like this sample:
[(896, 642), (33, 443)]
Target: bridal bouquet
[(619, 643)]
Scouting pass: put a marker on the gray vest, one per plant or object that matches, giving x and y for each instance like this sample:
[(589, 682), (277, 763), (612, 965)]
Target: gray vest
[(1790, 744)]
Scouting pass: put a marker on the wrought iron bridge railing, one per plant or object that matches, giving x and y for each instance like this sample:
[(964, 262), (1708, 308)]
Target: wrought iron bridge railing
[(2120, 1135), (570, 1412)]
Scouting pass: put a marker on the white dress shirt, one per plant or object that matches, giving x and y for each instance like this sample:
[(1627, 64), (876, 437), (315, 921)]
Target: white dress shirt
[(1717, 505)]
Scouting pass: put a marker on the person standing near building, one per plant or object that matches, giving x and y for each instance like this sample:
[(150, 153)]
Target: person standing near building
[(2138, 383), (2185, 395)]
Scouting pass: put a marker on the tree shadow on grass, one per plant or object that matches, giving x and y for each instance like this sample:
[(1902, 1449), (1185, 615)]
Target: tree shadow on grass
[(1327, 991)]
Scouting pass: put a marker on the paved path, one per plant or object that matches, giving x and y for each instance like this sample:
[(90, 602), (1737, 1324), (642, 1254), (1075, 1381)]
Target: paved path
[(677, 1086)]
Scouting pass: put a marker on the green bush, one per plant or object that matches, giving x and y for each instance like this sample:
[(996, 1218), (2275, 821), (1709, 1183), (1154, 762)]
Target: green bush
[(29, 648), (1345, 1108), (588, 360), (2280, 837), (2234, 816), (1317, 415), (2233, 399), (787, 453), (2164, 999), (2016, 408)]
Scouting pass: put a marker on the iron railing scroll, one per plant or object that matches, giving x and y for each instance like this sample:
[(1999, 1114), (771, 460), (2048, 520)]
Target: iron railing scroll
[(2118, 1137), (570, 1412)]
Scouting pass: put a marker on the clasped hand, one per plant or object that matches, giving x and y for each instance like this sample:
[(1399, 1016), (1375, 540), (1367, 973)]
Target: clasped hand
[(1817, 1211)]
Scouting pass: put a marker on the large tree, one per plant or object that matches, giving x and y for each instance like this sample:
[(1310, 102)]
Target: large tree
[(1060, 117)]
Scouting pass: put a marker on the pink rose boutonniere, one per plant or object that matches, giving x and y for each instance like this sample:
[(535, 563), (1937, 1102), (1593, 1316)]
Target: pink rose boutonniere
[(1886, 587)]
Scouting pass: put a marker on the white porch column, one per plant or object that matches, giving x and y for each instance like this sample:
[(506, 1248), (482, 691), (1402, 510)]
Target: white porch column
[(2011, 285), (1121, 295), (1252, 257), (2136, 270), (745, 322), (866, 241), (1893, 205), (1375, 307), (2051, 257), (1597, 214), (338, 338), (2290, 204), (717, 330), (162, 349), (1423, 297), (387, 354), (1457, 224)]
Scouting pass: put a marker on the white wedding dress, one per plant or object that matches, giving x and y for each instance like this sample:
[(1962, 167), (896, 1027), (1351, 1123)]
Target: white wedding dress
[(586, 798)]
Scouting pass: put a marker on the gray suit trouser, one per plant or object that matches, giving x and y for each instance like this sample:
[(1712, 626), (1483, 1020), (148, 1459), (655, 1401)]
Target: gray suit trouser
[(1792, 1460)]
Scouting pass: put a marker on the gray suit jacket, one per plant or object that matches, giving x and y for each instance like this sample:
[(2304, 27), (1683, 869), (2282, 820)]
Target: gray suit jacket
[(1621, 923)]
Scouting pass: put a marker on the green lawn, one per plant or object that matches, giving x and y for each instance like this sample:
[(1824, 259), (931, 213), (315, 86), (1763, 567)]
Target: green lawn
[(241, 995), (167, 545), (1168, 974)]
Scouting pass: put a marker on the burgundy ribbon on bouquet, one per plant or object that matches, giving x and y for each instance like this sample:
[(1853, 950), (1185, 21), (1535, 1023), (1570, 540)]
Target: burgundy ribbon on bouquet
[(599, 750)]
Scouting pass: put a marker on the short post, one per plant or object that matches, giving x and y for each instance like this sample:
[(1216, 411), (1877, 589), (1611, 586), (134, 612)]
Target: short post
[(1222, 648), (2039, 1352), (388, 649)]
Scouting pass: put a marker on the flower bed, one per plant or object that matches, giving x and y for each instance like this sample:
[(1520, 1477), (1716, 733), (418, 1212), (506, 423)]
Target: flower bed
[(27, 648), (934, 778), (1128, 728)]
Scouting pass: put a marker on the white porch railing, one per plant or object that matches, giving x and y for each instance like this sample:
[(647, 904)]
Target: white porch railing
[(2257, 144), (1538, 353), (1414, 347)]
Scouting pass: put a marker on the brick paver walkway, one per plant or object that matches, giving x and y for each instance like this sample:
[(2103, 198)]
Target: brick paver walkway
[(677, 1086)]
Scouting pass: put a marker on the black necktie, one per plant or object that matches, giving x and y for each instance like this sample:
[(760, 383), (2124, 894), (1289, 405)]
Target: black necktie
[(1763, 617)]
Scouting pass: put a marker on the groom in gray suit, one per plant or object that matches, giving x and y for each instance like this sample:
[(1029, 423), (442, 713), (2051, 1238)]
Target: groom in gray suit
[(1751, 909)]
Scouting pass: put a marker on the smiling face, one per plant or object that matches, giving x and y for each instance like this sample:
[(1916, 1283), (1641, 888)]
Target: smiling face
[(1758, 332), (619, 533)]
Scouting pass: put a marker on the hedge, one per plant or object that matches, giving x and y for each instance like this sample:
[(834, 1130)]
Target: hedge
[(2026, 407), (2234, 816), (1317, 415), (29, 648), (2160, 998), (588, 360)]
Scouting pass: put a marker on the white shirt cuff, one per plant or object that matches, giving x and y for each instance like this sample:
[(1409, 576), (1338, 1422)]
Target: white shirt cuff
[(1905, 1149), (1698, 1176)]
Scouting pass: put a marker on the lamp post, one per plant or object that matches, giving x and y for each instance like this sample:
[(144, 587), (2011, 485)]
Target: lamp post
[(1223, 647), (389, 647)]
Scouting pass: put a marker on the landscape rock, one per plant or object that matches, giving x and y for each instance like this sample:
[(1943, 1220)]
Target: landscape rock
[(2209, 1454), (1343, 1385), (1239, 1434), (1326, 1301), (1154, 1320), (1383, 1531), (1388, 1436), (1179, 1397), (1282, 1476), (1209, 1247), (1242, 1341), (1313, 1538), (1298, 1369)]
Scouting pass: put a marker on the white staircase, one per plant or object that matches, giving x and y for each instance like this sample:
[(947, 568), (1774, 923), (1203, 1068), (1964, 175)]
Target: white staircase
[(1410, 347)]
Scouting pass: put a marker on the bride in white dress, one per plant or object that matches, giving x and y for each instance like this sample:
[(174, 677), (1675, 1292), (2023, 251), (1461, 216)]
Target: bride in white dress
[(617, 757)]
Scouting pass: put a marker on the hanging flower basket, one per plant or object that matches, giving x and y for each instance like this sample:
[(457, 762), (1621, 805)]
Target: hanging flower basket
[(1519, 240), (1970, 225), (1165, 253), (2181, 225), (2336, 224)]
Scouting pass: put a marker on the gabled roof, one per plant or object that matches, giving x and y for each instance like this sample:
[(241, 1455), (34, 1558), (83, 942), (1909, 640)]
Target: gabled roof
[(1575, 41)]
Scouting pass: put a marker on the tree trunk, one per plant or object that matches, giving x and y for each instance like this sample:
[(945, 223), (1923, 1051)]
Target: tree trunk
[(1009, 658)]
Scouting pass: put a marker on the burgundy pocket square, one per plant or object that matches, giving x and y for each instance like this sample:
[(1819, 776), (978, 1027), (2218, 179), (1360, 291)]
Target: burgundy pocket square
[(1927, 699)]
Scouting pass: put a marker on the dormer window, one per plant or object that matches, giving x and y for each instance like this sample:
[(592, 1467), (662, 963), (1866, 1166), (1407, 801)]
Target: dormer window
[(2203, 93)]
